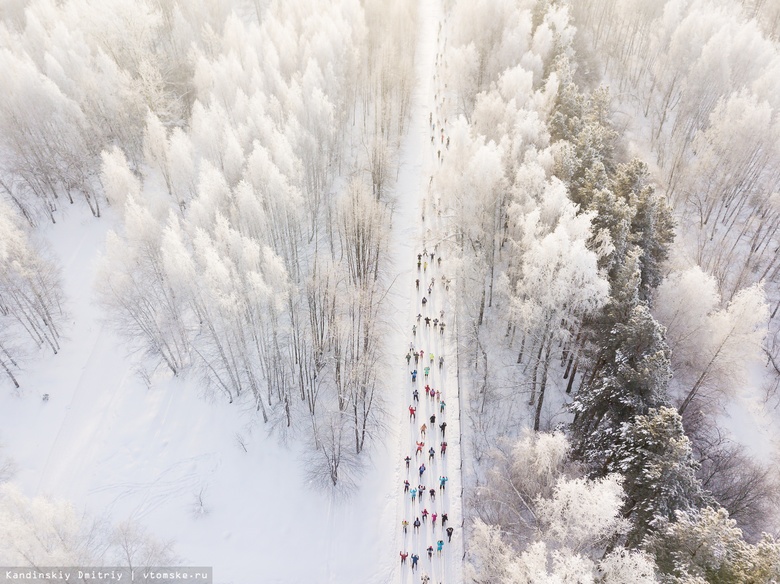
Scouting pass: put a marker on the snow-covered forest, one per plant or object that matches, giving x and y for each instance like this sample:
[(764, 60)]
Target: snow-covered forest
[(260, 260)]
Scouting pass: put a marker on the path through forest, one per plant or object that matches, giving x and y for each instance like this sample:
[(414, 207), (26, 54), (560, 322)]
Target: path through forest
[(434, 492)]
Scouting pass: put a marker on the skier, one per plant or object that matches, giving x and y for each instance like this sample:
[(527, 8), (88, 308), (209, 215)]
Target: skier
[(413, 493), (416, 358), (435, 323), (427, 321), (438, 393), (419, 257), (425, 266), (416, 395), (427, 389), (443, 451), (433, 419), (419, 447), (419, 316), (417, 524), (433, 494), (441, 406), (442, 481), (414, 330), (418, 265), (405, 525), (431, 357), (433, 519), (429, 290), (421, 353), (425, 515), (441, 362), (440, 545), (424, 301), (443, 519), (441, 326), (408, 358), (425, 579), (414, 375), (421, 491), (449, 533), (417, 283), (422, 469), (443, 428), (404, 555), (415, 557), (412, 413), (431, 453), (406, 486), (423, 428), (426, 371), (430, 552)]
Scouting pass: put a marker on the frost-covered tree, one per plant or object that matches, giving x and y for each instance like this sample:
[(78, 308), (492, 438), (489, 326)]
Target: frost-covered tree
[(712, 347), (551, 528), (31, 300), (42, 531), (629, 378), (131, 282), (708, 545), (656, 460), (561, 264)]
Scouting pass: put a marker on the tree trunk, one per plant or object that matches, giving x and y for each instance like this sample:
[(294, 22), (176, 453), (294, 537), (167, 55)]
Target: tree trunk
[(543, 386)]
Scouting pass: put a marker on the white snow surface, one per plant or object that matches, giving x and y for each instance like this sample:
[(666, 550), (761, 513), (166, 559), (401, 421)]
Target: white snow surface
[(117, 448)]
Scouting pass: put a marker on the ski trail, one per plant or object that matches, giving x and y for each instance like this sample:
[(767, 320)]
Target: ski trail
[(424, 233)]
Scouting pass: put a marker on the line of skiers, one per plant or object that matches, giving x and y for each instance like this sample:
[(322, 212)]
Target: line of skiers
[(428, 319)]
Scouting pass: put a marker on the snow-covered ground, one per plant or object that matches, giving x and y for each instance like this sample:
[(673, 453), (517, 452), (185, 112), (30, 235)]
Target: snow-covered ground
[(111, 445), (205, 473)]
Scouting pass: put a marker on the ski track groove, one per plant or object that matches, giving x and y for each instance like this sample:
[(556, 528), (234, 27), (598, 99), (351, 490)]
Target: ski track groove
[(419, 162)]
